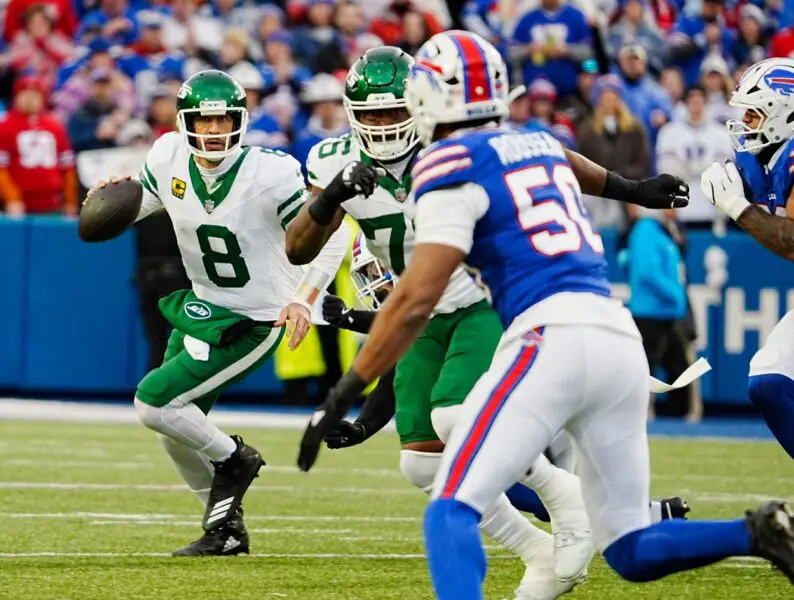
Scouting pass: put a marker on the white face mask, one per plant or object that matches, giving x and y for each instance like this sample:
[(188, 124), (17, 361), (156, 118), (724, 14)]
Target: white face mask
[(611, 123)]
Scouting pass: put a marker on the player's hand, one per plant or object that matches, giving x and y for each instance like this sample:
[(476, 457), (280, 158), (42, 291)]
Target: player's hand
[(102, 183), (298, 321), (345, 434), (359, 178), (327, 416), (722, 186), (334, 310), (663, 191)]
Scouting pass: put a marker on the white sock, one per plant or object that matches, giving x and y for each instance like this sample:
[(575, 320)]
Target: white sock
[(188, 426), (553, 485), (192, 465), (503, 523), (420, 468), (656, 512)]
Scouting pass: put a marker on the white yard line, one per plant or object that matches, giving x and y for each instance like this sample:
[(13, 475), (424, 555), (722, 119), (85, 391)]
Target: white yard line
[(154, 487), (166, 517)]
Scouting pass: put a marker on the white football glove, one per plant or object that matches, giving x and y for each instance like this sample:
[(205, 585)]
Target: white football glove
[(722, 185)]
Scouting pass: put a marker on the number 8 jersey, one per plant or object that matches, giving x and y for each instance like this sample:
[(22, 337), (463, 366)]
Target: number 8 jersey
[(230, 228), (510, 200)]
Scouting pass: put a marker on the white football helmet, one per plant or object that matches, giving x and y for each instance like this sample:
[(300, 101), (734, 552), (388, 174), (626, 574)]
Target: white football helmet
[(458, 77), (373, 281), (767, 88)]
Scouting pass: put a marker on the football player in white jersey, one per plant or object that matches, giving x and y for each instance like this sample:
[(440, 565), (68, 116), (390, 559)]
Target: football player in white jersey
[(230, 206)]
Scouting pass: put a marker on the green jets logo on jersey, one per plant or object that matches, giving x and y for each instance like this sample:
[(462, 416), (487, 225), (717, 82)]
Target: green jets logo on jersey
[(178, 187), (198, 311)]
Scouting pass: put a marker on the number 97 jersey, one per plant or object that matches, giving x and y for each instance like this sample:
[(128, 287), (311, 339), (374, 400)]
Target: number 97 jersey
[(532, 238)]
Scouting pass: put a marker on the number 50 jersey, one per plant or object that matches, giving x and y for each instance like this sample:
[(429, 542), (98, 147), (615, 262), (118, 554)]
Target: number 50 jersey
[(230, 230), (511, 200)]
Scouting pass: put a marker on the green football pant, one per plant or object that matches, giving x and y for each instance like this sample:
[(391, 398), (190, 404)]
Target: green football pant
[(442, 367)]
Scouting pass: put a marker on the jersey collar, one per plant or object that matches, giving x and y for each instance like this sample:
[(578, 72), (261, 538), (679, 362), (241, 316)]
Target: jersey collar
[(221, 186), (399, 190), (778, 153)]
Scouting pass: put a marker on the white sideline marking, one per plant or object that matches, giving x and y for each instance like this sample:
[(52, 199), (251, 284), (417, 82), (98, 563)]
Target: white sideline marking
[(166, 517), (156, 487)]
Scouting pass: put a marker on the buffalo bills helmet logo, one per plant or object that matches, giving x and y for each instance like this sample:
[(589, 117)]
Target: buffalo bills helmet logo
[(780, 81)]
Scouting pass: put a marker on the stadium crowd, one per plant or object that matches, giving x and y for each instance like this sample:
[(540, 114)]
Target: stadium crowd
[(639, 85)]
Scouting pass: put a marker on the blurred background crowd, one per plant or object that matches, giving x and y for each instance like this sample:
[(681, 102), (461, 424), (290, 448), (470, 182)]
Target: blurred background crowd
[(639, 86)]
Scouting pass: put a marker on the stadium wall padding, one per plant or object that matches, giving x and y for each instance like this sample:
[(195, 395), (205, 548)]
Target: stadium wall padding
[(70, 322)]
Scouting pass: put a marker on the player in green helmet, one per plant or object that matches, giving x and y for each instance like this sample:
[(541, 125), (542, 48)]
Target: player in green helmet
[(230, 206)]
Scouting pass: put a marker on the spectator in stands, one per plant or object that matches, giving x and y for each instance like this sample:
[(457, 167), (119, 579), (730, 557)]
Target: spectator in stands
[(749, 47), (323, 96), (554, 39), (213, 18), (95, 125), (281, 68), (543, 97), (578, 106), (115, 20), (672, 80), (37, 174), (179, 29), (637, 26), (646, 99), (483, 18), (782, 44), (389, 26), (233, 50), (614, 138), (696, 36), (665, 12), (271, 19), (415, 33), (135, 132), (263, 129), (656, 278), (161, 115), (717, 81), (686, 147), (317, 32), (38, 50), (349, 22), (78, 87), (151, 41), (520, 110), (60, 12)]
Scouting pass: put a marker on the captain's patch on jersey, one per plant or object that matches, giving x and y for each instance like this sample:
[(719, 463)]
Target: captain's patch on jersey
[(178, 187)]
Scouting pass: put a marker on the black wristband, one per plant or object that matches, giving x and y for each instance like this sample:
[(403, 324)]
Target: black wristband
[(350, 385), (620, 188), (322, 212)]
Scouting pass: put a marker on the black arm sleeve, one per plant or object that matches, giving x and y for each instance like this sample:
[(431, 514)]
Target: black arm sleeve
[(359, 321), (379, 407)]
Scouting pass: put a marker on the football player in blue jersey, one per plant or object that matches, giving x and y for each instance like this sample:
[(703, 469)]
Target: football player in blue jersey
[(756, 192), (571, 358)]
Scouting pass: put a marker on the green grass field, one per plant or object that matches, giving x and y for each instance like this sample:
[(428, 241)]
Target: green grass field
[(91, 511)]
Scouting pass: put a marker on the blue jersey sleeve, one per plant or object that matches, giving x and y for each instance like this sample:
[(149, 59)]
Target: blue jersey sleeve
[(442, 165)]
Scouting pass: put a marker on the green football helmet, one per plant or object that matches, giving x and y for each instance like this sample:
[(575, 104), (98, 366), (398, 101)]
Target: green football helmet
[(376, 81), (211, 93)]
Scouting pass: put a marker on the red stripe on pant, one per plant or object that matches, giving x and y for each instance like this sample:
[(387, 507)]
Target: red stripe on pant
[(488, 414)]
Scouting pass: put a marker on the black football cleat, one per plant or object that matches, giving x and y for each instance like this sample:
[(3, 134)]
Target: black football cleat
[(772, 535), (674, 508), (227, 540), (232, 479)]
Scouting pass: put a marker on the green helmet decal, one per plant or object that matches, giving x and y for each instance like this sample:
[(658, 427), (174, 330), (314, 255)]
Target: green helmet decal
[(211, 93), (380, 71), (376, 81)]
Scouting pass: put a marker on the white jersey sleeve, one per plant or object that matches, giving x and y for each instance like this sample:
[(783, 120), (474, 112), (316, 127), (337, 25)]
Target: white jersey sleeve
[(327, 158), (158, 160), (280, 180), (448, 216)]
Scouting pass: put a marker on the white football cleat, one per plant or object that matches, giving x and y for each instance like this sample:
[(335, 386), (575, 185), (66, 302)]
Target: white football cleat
[(539, 581)]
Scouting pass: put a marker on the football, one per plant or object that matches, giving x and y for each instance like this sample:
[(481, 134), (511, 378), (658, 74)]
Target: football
[(110, 211)]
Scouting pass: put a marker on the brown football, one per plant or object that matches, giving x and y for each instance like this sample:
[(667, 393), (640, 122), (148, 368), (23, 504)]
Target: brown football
[(110, 211)]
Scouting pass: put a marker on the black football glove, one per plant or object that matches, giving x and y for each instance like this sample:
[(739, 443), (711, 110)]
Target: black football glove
[(357, 178), (327, 416), (663, 191), (334, 310), (345, 434)]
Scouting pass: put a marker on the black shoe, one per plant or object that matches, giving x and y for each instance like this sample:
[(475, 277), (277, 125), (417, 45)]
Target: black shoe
[(227, 540), (772, 535), (232, 478), (674, 508)]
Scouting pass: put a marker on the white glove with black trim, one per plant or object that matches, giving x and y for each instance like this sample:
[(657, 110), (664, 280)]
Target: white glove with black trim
[(722, 185)]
